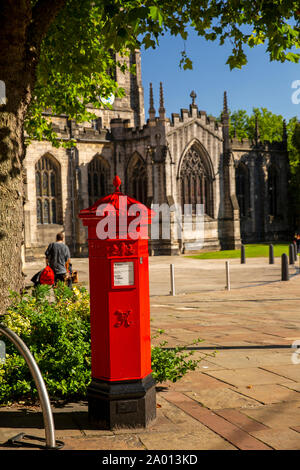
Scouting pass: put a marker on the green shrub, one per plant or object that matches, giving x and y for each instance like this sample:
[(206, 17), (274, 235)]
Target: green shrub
[(55, 327), (173, 363), (54, 324)]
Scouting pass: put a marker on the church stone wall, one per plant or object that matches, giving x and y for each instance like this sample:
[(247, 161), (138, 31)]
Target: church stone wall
[(259, 225), (122, 136), (39, 236)]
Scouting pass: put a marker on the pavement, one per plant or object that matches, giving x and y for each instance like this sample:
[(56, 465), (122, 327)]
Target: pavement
[(246, 396)]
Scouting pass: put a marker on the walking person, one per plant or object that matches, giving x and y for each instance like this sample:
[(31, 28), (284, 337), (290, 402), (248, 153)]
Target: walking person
[(58, 258), (295, 242), (298, 242)]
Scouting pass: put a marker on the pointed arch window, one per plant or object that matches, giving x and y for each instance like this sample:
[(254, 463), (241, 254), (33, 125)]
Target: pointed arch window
[(136, 179), (53, 209), (242, 186), (48, 192), (38, 183), (196, 181), (39, 211), (98, 178)]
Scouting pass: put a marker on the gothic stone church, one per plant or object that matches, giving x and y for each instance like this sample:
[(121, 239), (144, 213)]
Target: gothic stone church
[(187, 159)]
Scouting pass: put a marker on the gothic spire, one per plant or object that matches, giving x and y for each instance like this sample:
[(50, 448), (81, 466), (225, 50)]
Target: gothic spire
[(225, 113), (225, 130), (284, 134), (151, 109), (225, 107), (193, 95), (256, 132), (162, 111)]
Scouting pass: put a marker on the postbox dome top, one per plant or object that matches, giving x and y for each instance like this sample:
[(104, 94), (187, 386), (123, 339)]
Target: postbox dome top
[(118, 202)]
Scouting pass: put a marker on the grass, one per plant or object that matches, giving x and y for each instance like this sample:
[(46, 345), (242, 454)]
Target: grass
[(251, 251)]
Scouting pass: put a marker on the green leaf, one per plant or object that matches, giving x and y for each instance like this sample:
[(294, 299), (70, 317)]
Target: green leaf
[(76, 54), (156, 14)]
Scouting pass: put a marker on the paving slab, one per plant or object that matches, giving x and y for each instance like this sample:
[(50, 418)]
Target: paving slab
[(224, 428), (191, 275), (277, 416), (207, 364), (246, 377), (290, 371), (292, 386), (286, 439), (245, 397), (215, 399), (239, 419), (240, 358), (270, 393), (162, 423), (196, 381), (193, 440), (183, 421), (130, 442)]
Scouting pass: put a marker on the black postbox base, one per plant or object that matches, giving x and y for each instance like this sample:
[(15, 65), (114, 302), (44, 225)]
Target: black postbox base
[(122, 404)]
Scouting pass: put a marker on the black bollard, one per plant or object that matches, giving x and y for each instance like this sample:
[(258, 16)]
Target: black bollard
[(291, 254), (243, 255), (271, 254), (295, 251), (284, 267)]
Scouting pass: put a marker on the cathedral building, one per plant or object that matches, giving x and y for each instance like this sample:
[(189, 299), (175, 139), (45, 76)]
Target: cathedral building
[(186, 159)]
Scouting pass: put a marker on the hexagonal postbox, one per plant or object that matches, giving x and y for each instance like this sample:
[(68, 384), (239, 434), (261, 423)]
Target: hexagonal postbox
[(122, 391)]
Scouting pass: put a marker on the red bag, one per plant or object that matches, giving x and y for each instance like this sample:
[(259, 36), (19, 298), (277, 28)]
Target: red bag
[(47, 276)]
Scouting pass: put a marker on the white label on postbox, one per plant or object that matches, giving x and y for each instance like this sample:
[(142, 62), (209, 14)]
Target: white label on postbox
[(124, 274)]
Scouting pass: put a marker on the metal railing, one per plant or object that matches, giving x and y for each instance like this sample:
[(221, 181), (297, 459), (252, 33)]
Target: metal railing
[(51, 443)]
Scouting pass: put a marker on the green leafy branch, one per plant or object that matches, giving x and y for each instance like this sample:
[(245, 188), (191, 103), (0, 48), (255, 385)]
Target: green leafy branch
[(173, 363)]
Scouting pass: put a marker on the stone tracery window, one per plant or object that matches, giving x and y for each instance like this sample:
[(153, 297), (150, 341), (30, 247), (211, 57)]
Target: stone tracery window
[(98, 179), (242, 185), (48, 192), (196, 181), (136, 179)]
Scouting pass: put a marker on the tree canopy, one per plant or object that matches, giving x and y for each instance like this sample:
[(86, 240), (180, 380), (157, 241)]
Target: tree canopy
[(75, 55), (270, 125), (56, 56), (270, 128)]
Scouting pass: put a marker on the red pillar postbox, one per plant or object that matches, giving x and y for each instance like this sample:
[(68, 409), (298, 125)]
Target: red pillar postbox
[(122, 390)]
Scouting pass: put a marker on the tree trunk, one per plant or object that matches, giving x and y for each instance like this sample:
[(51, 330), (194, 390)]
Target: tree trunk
[(11, 206), (22, 30), (15, 72)]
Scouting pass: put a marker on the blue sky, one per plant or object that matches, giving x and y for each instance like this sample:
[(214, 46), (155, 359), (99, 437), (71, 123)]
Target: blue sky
[(260, 83)]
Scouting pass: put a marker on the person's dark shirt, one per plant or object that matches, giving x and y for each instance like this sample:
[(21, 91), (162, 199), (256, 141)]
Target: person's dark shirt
[(57, 255)]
